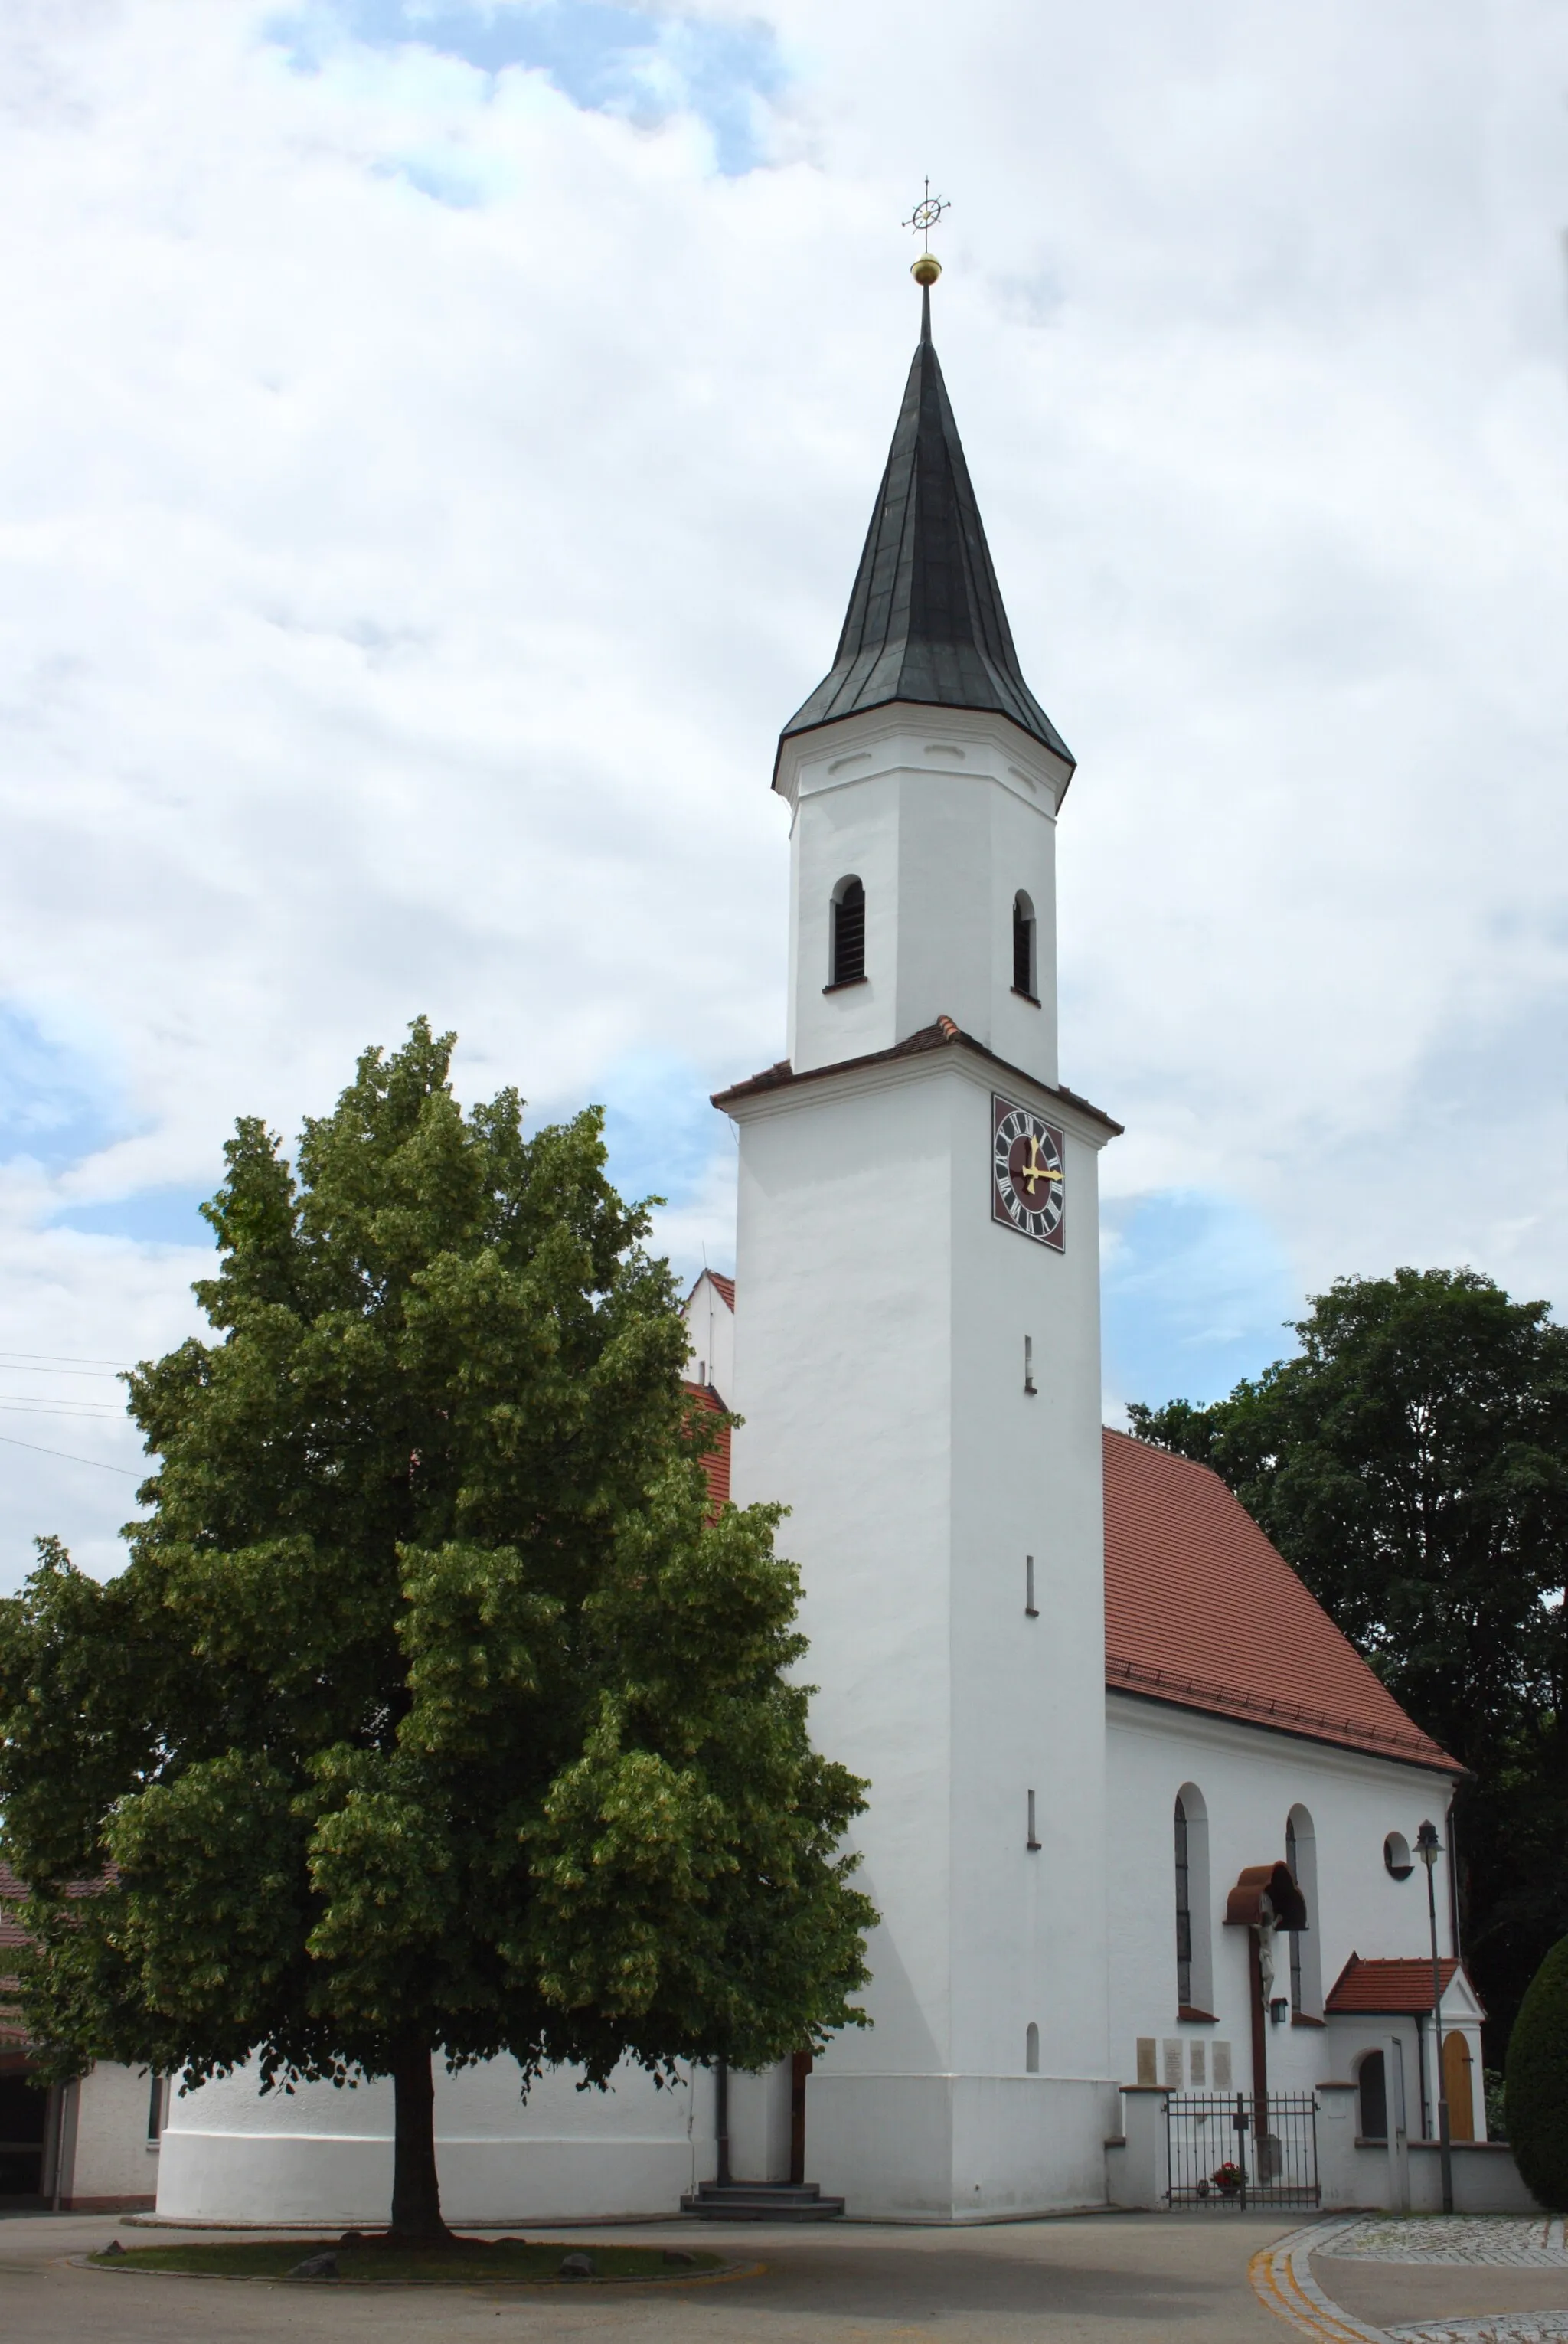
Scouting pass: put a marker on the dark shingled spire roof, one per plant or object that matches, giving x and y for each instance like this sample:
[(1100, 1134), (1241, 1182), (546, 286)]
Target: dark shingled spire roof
[(926, 620)]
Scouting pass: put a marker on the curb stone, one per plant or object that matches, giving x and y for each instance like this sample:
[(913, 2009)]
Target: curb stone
[(1500, 2328), (1282, 2282), (726, 2271)]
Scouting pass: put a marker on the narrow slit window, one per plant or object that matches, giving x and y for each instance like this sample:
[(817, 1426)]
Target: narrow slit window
[(848, 933), (155, 2099), (1033, 1840), (1031, 2050), (1028, 1363), (1183, 1913), (1294, 1863), (1030, 1609), (1024, 974)]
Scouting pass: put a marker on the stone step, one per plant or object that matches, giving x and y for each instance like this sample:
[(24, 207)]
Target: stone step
[(762, 2201)]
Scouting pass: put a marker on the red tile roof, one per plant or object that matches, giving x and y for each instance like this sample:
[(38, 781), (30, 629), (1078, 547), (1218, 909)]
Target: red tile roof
[(1202, 1612), (725, 1287), (1397, 1988), (716, 1463)]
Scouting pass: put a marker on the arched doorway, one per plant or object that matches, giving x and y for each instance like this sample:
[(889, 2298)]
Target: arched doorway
[(1459, 2088), (1372, 2084)]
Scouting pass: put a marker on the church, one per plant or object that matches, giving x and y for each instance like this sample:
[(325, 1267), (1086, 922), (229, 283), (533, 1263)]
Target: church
[(1142, 1827)]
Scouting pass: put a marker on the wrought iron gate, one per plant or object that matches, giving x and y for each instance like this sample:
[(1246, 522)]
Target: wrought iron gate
[(1229, 2150)]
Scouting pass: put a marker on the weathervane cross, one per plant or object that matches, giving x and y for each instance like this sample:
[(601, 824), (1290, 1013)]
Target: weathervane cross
[(926, 214)]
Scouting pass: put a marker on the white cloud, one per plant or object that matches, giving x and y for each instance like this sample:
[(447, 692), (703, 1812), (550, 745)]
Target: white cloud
[(402, 590)]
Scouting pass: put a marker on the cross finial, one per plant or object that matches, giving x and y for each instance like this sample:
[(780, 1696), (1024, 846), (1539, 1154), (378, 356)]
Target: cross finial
[(925, 268)]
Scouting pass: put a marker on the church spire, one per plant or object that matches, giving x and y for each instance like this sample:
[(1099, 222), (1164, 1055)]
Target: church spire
[(926, 621)]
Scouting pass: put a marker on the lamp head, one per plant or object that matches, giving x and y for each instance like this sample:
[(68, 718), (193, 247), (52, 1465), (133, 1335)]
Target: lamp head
[(1428, 1846)]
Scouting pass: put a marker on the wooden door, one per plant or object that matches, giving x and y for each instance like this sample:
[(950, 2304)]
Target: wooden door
[(800, 2068), (1458, 2087)]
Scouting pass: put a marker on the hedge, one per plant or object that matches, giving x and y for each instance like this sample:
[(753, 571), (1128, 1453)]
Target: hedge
[(1537, 2088)]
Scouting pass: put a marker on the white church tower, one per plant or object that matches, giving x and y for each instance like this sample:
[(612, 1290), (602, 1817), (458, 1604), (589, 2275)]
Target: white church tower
[(918, 1363)]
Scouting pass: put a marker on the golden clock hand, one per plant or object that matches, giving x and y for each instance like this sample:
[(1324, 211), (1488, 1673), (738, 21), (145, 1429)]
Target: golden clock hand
[(1034, 1169)]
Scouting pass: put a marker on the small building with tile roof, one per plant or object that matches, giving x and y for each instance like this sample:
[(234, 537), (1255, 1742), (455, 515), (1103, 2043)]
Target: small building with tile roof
[(710, 1323), (89, 2146)]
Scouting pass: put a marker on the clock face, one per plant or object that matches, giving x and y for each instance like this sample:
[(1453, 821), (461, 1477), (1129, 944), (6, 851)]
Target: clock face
[(1028, 1170)]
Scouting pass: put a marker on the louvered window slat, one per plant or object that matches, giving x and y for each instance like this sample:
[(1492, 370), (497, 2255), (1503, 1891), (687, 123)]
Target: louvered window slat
[(849, 935)]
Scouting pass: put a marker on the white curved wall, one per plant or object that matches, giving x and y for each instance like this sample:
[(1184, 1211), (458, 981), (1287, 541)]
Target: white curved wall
[(325, 2155)]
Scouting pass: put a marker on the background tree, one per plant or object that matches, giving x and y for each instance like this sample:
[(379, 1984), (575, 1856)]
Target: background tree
[(1412, 1462), (432, 1710), (1537, 2091)]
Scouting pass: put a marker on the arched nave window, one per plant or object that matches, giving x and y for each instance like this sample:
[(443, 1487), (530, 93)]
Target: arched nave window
[(1024, 973), (1031, 2050), (849, 959), (1194, 1959), (1306, 1947)]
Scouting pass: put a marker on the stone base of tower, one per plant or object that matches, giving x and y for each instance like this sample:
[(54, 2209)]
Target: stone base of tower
[(959, 2149)]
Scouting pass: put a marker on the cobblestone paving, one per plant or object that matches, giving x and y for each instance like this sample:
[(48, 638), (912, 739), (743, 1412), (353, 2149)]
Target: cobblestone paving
[(1498, 2241), (1512, 2327)]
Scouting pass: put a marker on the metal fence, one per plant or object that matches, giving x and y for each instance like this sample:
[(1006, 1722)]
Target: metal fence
[(1230, 2150)]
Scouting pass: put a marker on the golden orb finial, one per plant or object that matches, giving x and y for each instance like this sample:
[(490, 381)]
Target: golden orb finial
[(925, 267)]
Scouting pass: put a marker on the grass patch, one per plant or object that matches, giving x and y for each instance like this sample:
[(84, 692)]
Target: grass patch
[(469, 2262)]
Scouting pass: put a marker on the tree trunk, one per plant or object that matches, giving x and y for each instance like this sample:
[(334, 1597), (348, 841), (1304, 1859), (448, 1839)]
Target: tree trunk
[(416, 2190)]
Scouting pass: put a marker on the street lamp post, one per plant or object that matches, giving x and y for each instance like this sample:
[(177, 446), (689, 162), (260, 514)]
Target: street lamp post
[(1429, 1847)]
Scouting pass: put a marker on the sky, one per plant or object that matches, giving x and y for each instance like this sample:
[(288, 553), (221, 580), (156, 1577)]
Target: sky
[(436, 440)]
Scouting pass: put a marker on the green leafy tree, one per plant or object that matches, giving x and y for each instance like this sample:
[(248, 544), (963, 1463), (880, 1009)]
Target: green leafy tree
[(1537, 2082), (1412, 1462), (434, 1711)]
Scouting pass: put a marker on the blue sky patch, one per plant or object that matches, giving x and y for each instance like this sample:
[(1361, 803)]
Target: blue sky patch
[(659, 1130), (56, 1104), (645, 64), (1195, 1291), (165, 1215)]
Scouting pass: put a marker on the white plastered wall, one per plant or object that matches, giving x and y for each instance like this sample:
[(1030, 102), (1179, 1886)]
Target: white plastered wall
[(106, 2155), (324, 2155), (920, 1475), (1250, 1779), (710, 1331), (944, 815)]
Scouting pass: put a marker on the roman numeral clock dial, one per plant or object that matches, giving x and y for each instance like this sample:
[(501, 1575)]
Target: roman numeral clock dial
[(1028, 1187)]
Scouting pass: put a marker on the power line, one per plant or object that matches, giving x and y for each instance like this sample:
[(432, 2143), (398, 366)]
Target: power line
[(62, 1358), (100, 1410), (13, 1363), (11, 1443)]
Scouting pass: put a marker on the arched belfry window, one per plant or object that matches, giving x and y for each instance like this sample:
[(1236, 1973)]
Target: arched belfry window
[(849, 948), (1306, 1955), (1195, 1955), (1025, 975)]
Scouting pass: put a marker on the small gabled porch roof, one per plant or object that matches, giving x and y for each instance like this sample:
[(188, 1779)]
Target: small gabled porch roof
[(1401, 1988)]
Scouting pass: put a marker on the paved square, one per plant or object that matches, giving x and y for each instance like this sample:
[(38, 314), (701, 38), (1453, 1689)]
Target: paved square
[(1491, 2242), (1095, 2281)]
